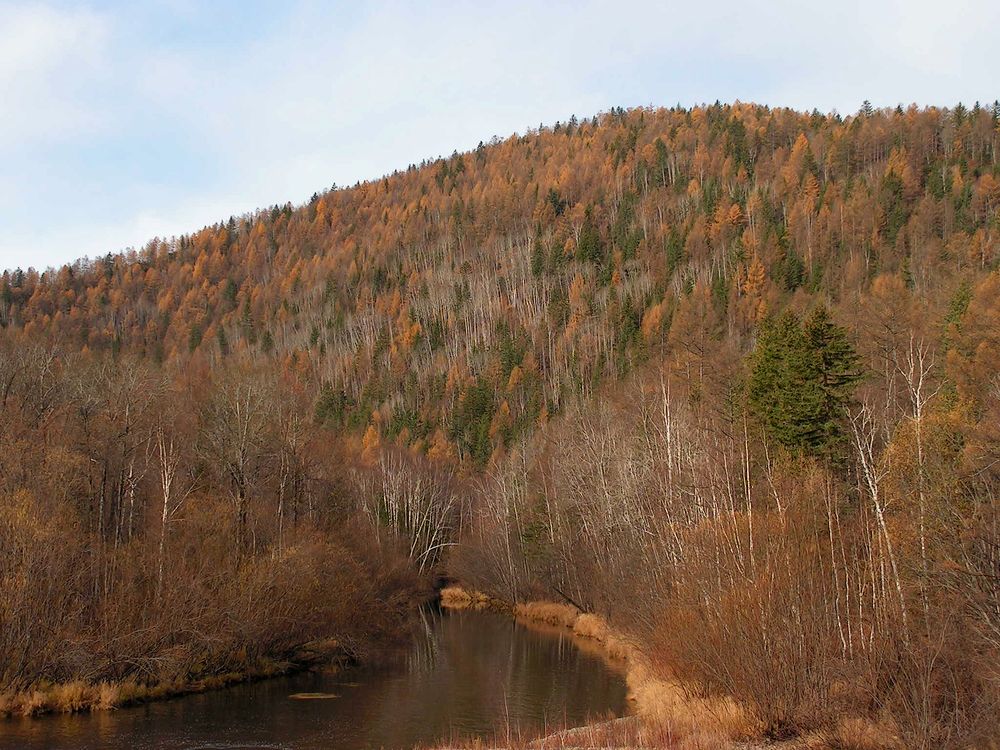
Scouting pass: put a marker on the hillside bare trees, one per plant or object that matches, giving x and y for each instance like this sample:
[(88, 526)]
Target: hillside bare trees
[(811, 585)]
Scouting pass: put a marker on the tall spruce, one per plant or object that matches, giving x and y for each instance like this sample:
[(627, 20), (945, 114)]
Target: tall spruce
[(801, 380), (838, 369)]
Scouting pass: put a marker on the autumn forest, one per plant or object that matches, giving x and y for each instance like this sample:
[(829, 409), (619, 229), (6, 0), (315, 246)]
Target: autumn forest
[(728, 377)]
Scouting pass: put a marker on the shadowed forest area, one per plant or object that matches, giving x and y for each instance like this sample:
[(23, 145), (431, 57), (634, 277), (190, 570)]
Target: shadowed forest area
[(728, 376)]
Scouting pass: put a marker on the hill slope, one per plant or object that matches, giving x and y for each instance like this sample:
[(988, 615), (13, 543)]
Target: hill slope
[(461, 301)]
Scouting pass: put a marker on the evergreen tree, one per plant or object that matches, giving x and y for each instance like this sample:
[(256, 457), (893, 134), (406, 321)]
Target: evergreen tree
[(589, 249), (194, 337), (538, 258), (837, 368), (223, 341), (331, 406), (801, 379), (229, 294)]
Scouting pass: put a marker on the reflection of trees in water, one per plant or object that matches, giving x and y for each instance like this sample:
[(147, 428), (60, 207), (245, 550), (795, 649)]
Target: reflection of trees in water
[(474, 674), (426, 650)]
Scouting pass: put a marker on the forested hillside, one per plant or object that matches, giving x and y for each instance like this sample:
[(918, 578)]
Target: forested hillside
[(454, 305), (728, 375)]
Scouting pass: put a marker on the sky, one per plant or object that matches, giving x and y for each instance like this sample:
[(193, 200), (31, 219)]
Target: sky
[(124, 121)]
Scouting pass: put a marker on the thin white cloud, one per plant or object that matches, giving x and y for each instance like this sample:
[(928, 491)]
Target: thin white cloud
[(45, 55)]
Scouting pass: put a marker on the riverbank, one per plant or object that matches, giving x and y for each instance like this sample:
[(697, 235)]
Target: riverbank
[(666, 713), (80, 696), (459, 675)]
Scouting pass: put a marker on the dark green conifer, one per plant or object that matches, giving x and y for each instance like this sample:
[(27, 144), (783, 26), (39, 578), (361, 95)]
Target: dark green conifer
[(801, 381)]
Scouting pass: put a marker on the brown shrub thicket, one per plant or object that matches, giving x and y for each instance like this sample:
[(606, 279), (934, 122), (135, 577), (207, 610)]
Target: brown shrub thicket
[(155, 534), (853, 600)]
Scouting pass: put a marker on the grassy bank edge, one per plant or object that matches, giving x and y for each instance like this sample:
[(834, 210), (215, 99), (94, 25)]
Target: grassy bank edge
[(666, 712), (666, 707), (81, 696)]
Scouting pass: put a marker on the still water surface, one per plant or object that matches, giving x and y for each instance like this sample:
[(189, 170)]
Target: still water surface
[(466, 674)]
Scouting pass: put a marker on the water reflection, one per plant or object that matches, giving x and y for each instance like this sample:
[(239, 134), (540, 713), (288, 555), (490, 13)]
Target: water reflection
[(466, 674)]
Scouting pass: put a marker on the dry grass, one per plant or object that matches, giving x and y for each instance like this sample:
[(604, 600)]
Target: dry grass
[(107, 696), (615, 644), (31, 703), (72, 697), (591, 626), (550, 613), (458, 598), (80, 696), (664, 706), (455, 597), (614, 733), (854, 733), (696, 721), (626, 732)]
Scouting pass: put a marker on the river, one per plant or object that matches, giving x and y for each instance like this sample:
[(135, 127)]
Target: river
[(466, 675)]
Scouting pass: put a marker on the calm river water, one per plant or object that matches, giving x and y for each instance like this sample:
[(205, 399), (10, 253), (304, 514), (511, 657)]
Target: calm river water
[(467, 674)]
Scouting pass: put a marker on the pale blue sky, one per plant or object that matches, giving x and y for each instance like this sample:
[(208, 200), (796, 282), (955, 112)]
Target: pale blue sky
[(123, 121)]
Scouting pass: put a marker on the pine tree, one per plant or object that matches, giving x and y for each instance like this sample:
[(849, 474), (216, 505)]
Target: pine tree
[(801, 380), (538, 258), (223, 341), (589, 249), (837, 369), (780, 390)]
